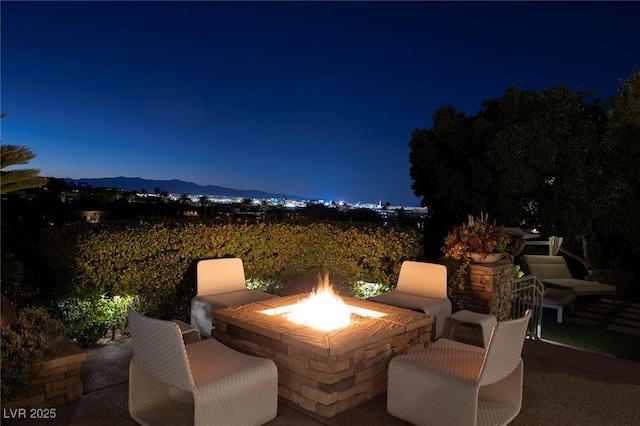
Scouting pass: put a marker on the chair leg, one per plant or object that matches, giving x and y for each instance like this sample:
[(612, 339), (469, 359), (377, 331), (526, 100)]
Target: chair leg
[(500, 402), (154, 404)]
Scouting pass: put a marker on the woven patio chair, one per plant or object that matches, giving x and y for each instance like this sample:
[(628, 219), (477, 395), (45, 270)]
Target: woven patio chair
[(202, 383), (453, 383), (221, 283), (422, 287)]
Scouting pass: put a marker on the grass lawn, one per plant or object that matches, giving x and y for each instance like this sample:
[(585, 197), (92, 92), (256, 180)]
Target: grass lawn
[(595, 338)]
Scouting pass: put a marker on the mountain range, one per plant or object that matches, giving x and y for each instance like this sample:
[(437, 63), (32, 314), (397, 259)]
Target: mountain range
[(175, 186)]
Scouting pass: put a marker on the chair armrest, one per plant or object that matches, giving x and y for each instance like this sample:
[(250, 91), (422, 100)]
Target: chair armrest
[(189, 334)]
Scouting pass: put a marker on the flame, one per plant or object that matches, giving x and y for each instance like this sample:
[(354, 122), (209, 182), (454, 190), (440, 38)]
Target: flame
[(323, 309)]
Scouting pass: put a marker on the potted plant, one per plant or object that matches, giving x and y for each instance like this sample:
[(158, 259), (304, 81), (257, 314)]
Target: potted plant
[(477, 240)]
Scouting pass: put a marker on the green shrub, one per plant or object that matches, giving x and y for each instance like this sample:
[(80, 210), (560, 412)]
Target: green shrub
[(364, 290), (156, 261), (89, 320), (264, 285)]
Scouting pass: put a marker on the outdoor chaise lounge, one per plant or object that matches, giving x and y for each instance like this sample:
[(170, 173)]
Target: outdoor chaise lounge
[(453, 383), (553, 272), (201, 383), (422, 287), (221, 283)]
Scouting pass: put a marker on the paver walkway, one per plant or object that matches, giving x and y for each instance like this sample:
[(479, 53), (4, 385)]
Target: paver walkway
[(561, 386), (624, 317)]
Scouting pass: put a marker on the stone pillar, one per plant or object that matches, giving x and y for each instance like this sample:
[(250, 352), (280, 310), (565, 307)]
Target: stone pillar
[(487, 289)]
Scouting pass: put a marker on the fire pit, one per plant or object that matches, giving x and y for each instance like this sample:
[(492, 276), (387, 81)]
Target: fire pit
[(324, 371)]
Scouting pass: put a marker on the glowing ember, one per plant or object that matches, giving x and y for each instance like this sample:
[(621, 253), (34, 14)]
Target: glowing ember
[(323, 309)]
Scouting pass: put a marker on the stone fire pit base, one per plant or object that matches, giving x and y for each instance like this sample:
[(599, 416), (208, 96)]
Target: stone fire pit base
[(325, 372)]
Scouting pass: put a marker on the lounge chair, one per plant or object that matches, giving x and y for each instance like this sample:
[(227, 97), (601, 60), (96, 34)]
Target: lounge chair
[(422, 287), (454, 383), (200, 383), (553, 272), (221, 283)]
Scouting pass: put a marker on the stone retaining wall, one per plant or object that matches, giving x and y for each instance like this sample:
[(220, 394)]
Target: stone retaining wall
[(56, 381)]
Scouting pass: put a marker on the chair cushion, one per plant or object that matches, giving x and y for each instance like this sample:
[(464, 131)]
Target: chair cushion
[(216, 276), (547, 266), (549, 270), (580, 286), (211, 360), (423, 279), (201, 306), (234, 298), (446, 357), (439, 308)]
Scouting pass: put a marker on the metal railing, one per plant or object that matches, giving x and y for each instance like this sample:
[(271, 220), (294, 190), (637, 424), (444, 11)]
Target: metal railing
[(527, 293)]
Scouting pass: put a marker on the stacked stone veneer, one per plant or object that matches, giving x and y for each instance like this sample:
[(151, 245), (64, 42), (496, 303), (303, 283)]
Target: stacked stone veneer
[(487, 289), (325, 372), (55, 381)]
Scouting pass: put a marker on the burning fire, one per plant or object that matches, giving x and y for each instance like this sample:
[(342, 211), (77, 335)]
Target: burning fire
[(323, 309)]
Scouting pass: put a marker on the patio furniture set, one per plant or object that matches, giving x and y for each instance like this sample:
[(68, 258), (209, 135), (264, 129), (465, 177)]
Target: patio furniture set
[(436, 367)]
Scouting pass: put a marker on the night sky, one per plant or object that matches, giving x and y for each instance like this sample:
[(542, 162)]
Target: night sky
[(311, 99)]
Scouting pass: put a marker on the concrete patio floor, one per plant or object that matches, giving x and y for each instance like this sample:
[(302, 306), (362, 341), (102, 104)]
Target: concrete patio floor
[(562, 385)]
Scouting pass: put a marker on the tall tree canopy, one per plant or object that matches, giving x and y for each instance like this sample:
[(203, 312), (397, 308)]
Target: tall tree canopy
[(549, 160), (616, 240), (623, 160), (526, 158)]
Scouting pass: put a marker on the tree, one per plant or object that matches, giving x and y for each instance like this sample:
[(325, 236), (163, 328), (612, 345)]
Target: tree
[(184, 198), (623, 157), (17, 179), (529, 158), (616, 242)]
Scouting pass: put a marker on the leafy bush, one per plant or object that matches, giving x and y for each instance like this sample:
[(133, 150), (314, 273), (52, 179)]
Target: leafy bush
[(364, 290), (155, 261), (264, 285), (25, 345), (76, 264), (89, 320)]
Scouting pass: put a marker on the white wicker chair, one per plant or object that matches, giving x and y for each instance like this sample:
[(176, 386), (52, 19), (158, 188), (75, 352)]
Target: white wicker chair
[(453, 383), (202, 383), (423, 287), (221, 283)]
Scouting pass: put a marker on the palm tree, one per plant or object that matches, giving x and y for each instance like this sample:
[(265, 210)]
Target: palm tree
[(15, 180)]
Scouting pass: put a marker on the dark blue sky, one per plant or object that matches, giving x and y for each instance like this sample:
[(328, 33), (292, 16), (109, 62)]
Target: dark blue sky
[(311, 99)]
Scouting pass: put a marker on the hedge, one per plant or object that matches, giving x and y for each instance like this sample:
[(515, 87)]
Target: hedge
[(156, 261)]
